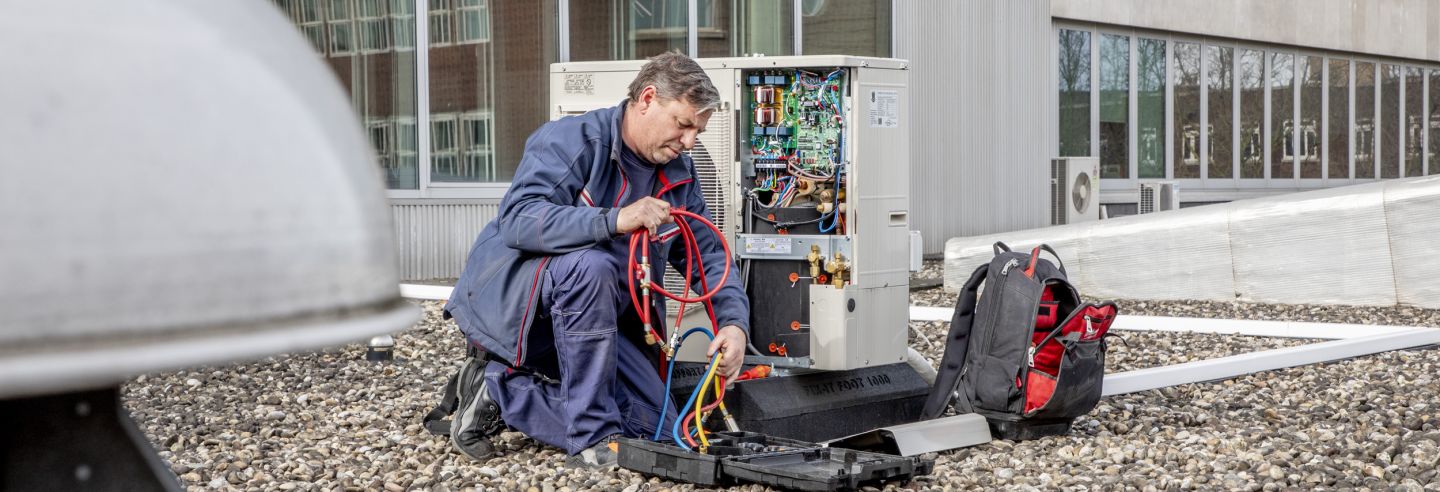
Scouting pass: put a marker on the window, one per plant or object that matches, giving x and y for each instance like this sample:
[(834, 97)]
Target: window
[(373, 26), (382, 89), (1338, 129), (1364, 120), (1114, 106), (1252, 114), (850, 27), (460, 150), (306, 15), (342, 28), (1434, 161), (1187, 110), (1414, 121), (380, 137), (1221, 81), (637, 29), (402, 22), (391, 150), (444, 156), (405, 144), (477, 158), (1389, 121), (1074, 83), (1311, 71), (474, 21), (1150, 107), (660, 14), (441, 30), (482, 111), (1282, 116)]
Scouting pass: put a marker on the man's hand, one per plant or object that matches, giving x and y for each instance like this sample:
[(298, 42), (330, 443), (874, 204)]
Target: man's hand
[(731, 342), (648, 212)]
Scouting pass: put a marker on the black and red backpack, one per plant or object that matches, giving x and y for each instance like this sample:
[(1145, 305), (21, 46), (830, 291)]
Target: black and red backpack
[(1026, 353)]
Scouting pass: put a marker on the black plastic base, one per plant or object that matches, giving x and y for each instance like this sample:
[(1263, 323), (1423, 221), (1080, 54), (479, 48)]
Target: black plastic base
[(76, 441), (1027, 430), (818, 406), (735, 457)]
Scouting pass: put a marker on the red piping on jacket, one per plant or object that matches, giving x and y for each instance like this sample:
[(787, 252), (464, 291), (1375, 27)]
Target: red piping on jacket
[(524, 321)]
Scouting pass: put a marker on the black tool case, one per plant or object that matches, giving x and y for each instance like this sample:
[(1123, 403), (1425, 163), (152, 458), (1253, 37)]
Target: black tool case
[(735, 457)]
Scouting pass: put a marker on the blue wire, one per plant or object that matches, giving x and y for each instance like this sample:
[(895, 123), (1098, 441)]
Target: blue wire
[(833, 214), (665, 401)]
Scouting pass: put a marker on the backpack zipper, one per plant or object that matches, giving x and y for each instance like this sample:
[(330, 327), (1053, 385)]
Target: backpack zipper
[(1005, 270), (983, 339)]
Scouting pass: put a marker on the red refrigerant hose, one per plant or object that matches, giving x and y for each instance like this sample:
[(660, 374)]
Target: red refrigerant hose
[(639, 272)]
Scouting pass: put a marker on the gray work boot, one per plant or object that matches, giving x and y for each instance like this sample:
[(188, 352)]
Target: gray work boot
[(477, 419), (602, 456)]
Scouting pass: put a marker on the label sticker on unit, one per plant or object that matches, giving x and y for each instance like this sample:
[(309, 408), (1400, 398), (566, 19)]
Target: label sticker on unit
[(768, 245), (580, 83), (884, 109)]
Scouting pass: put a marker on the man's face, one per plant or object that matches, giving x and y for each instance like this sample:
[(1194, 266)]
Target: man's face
[(662, 128)]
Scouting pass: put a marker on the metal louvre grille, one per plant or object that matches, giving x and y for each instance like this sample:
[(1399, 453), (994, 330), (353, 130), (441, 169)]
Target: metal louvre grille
[(432, 241), (1147, 199), (712, 156)]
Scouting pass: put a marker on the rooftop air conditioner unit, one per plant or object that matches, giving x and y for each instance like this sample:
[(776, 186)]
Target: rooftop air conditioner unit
[(1074, 189), (1159, 196)]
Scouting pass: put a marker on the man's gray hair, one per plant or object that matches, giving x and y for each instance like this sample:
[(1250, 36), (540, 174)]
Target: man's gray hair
[(676, 77)]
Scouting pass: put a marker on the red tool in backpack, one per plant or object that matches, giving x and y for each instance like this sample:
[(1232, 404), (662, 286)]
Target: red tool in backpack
[(1087, 323)]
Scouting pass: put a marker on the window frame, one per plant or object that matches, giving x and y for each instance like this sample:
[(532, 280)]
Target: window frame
[(402, 21), (1320, 131), (482, 10), (347, 21), (378, 24)]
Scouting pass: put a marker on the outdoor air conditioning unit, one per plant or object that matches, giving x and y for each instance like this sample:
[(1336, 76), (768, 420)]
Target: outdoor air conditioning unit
[(1159, 196), (805, 153), (1074, 190)]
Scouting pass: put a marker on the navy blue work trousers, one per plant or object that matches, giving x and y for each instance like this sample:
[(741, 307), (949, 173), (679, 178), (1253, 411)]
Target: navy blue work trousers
[(607, 384)]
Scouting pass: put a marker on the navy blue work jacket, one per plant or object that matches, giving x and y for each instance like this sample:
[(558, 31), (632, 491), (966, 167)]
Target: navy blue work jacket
[(564, 198)]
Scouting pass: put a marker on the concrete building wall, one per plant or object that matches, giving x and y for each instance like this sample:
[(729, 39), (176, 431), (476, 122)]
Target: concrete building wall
[(982, 131), (1394, 28)]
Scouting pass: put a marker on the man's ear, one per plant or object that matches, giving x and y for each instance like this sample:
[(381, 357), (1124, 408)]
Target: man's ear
[(647, 99)]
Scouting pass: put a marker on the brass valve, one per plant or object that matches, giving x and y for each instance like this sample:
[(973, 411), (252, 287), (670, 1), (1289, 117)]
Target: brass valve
[(664, 347), (805, 187), (815, 258), (838, 269)]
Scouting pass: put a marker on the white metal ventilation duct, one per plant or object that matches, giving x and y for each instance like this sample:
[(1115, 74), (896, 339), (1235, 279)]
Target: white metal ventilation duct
[(1372, 244), (182, 183)]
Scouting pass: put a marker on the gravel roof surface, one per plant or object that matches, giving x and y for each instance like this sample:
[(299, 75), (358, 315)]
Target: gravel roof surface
[(328, 420)]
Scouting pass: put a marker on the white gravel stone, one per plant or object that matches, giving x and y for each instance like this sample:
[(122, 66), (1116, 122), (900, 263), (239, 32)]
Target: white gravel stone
[(329, 420)]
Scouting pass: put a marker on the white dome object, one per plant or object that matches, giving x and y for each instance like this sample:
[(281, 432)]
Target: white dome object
[(181, 183)]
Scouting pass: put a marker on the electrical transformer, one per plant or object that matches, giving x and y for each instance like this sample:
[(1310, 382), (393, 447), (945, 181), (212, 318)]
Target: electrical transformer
[(805, 167)]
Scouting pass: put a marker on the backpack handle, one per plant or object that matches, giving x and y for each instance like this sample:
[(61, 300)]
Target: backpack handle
[(1035, 256), (1000, 247)]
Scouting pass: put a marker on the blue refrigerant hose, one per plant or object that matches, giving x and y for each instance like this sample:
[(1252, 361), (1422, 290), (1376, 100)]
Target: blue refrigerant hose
[(665, 400)]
